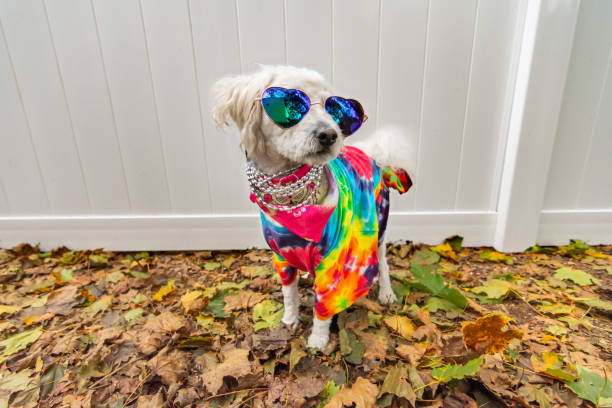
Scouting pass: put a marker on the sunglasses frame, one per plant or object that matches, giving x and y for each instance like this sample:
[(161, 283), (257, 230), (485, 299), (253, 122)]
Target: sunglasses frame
[(365, 116)]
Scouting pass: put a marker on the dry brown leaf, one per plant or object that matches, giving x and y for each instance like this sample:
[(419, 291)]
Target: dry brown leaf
[(368, 304), (401, 325), (411, 352), (486, 335), (363, 394), (242, 300), (376, 345), (236, 364), (166, 322), (170, 366)]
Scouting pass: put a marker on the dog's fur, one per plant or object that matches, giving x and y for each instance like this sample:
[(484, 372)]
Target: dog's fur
[(274, 149)]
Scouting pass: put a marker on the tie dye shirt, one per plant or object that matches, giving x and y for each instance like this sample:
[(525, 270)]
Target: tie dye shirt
[(337, 240)]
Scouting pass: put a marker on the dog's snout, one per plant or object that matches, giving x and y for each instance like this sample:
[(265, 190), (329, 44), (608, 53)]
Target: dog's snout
[(327, 137)]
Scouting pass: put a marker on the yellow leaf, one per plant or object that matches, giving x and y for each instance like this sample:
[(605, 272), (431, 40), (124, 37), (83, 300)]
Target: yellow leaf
[(487, 334), (596, 254), (9, 309), (36, 319), (446, 251), (401, 325), (164, 290), (188, 298)]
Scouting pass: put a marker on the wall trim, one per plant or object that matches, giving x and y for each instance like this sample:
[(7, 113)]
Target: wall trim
[(559, 226), (228, 231)]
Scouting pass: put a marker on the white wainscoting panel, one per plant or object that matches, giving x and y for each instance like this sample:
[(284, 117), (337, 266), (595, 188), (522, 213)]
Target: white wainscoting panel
[(107, 139)]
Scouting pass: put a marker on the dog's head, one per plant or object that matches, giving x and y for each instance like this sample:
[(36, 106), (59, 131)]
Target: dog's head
[(316, 139)]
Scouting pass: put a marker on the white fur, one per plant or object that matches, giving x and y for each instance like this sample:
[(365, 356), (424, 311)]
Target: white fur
[(273, 149), (389, 146), (291, 301)]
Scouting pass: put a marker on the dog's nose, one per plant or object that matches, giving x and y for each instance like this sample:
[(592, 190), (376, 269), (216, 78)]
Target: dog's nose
[(327, 137)]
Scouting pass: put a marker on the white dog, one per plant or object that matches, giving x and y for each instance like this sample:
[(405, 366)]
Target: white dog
[(324, 206)]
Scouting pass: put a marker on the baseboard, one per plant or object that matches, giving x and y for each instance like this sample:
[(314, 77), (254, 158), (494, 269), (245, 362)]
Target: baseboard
[(240, 231), (591, 226)]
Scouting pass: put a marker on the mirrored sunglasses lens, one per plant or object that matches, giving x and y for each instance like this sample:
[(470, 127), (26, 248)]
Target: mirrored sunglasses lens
[(286, 107), (348, 113)]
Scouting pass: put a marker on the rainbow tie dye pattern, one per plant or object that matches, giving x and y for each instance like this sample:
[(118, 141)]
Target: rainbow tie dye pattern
[(341, 254)]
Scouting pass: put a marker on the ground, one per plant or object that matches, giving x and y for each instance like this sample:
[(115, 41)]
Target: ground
[(471, 328)]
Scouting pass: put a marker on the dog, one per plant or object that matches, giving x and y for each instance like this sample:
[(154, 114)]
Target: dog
[(324, 205)]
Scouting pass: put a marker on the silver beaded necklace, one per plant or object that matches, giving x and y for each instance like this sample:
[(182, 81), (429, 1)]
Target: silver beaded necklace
[(287, 195)]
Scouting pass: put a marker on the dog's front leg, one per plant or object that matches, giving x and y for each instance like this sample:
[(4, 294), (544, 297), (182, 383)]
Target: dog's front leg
[(385, 292), (319, 337), (291, 300)]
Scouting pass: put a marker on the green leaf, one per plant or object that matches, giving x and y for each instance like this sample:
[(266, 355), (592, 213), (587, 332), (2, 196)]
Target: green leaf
[(65, 275), (457, 372), (536, 249), (373, 318), (455, 242), (19, 342), (576, 249), (595, 303), (9, 309), (350, 348), (345, 343), (232, 285), (425, 257), (328, 392), (138, 274), (133, 314), (17, 381), (556, 330), (495, 256), (98, 306), (267, 315), (577, 276), (434, 304), (494, 289), (204, 321), (211, 266), (592, 387), (216, 305), (38, 286), (434, 284)]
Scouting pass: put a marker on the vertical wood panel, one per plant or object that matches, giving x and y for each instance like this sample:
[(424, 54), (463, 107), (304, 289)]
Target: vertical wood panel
[(403, 32), (493, 47), (309, 35), (583, 91), (31, 49), (4, 207), (76, 41), (215, 59), (262, 33), (167, 26), (19, 169), (596, 184), (355, 61), (127, 65), (449, 42)]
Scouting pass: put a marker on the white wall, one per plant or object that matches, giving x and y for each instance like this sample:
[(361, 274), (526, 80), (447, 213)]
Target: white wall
[(106, 137)]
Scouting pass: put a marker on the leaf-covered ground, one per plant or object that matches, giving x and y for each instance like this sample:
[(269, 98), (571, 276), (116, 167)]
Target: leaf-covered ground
[(471, 328)]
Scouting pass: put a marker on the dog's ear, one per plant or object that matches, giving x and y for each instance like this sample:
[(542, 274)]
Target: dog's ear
[(235, 100), (232, 100)]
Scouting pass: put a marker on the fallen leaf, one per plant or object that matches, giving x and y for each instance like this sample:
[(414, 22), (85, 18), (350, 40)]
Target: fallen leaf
[(267, 315), (577, 276), (166, 322), (243, 300), (236, 364), (362, 394), (164, 291), (412, 352), (396, 383), (487, 334), (296, 354), (19, 342), (494, 289), (495, 256), (592, 387), (400, 324), (457, 372)]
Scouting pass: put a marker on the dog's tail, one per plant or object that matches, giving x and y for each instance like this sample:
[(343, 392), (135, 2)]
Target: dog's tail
[(390, 147)]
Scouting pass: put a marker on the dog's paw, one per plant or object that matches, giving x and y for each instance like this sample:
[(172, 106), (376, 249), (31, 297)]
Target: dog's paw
[(386, 296), (318, 341), (291, 321)]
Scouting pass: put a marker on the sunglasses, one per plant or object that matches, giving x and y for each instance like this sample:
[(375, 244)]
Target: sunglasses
[(287, 107)]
